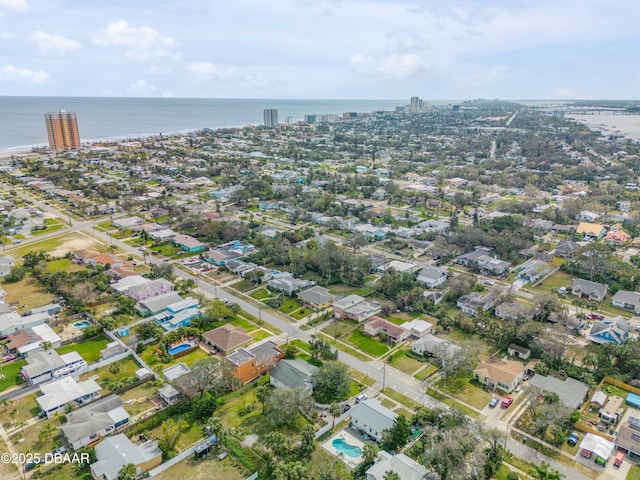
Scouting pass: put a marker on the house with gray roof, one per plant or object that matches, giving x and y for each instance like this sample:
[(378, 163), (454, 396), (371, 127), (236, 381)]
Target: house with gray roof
[(56, 395), (533, 270), (515, 311), (429, 345), (566, 249), (592, 290), (92, 422), (316, 297), (405, 467), (627, 300), (155, 305), (471, 302), (570, 391), (433, 277), (115, 452), (372, 418), (287, 283), (295, 373), (614, 331)]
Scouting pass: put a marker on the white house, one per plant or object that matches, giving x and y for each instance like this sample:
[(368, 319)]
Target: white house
[(433, 277), (372, 418)]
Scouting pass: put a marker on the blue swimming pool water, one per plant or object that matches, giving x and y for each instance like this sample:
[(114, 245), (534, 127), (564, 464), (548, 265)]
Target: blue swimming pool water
[(349, 450), (83, 324), (179, 348)]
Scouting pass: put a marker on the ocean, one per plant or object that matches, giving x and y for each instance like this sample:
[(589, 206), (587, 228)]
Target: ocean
[(22, 118)]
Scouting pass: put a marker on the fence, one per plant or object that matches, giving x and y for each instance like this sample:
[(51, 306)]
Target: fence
[(622, 385)]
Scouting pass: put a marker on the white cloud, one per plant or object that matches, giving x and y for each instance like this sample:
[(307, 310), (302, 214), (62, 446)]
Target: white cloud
[(140, 43), (18, 6), (13, 74), (394, 65), (563, 92), (7, 36), (141, 87), (54, 44), (210, 71)]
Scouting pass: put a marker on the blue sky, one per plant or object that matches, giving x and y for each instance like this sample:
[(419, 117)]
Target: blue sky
[(436, 49)]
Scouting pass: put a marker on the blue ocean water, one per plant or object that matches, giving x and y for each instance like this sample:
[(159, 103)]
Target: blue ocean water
[(22, 118)]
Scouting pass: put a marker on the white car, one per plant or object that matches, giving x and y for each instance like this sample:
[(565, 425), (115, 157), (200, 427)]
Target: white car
[(361, 397)]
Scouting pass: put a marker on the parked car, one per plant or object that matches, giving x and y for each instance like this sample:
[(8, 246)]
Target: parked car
[(494, 402), (573, 439), (346, 408), (361, 397), (489, 282), (595, 316), (506, 402)]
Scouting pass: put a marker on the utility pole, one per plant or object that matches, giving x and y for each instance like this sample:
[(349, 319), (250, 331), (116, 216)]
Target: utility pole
[(384, 375)]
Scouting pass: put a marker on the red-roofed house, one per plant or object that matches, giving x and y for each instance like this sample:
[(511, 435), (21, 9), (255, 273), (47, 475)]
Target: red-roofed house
[(618, 238), (395, 333)]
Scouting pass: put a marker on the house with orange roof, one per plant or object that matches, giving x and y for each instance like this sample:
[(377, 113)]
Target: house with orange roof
[(499, 374), (591, 231)]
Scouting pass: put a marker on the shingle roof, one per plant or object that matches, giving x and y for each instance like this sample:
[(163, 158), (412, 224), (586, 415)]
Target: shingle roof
[(227, 337), (373, 414)]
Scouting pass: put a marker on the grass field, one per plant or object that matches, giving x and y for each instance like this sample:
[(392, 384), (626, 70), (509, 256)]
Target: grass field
[(557, 280), (429, 370), (301, 313), (25, 408), (166, 249), (243, 323), (406, 364), (339, 328), (88, 349), (260, 294), (401, 399), (453, 403), (289, 305), (367, 344), (64, 265), (11, 371), (634, 473), (260, 335), (190, 434), (28, 292), (344, 348), (48, 229), (128, 367), (466, 390)]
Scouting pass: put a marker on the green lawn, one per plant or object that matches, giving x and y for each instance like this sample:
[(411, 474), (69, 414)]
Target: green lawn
[(453, 403), (406, 364), (367, 344), (28, 292), (301, 313), (345, 290), (244, 286), (261, 294), (289, 305), (260, 335), (48, 229), (557, 280), (340, 328), (11, 372), (128, 367), (89, 349), (429, 370), (243, 323), (64, 265), (634, 473), (402, 399), (344, 348), (166, 249), (466, 390), (194, 469)]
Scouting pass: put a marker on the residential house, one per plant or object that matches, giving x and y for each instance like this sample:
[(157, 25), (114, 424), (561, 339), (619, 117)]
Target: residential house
[(170, 395), (153, 288), (628, 437), (533, 270), (316, 297), (155, 305), (6, 264), (522, 353), (418, 327), (226, 338), (56, 395), (566, 249), (179, 314), (627, 300), (433, 277), (127, 222), (398, 266), (287, 283), (591, 231), (406, 468), (50, 309), (372, 418), (430, 346), (296, 373), (354, 307), (95, 421), (486, 263), (11, 322), (124, 284), (515, 311), (587, 216), (592, 290), (571, 392), (370, 232), (84, 255), (226, 252), (605, 331), (104, 259), (49, 364), (188, 243), (499, 374), (29, 340), (471, 302), (618, 238), (115, 452), (379, 326), (252, 363)]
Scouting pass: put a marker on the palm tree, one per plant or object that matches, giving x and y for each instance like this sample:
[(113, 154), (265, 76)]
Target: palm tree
[(114, 369), (335, 411), (391, 475), (543, 472), (370, 452), (214, 424), (128, 472)]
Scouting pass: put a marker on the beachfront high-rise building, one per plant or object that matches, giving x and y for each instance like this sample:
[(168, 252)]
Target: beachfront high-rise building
[(62, 129), (270, 117), (417, 104)]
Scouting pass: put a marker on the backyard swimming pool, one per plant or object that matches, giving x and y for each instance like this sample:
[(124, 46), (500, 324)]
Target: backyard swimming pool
[(179, 348), (349, 450), (82, 324)]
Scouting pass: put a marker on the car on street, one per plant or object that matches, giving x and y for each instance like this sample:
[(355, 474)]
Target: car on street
[(489, 282), (595, 316), (494, 402), (361, 397), (346, 408), (573, 439), (506, 402)]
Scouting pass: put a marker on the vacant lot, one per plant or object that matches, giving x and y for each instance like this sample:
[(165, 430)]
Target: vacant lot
[(407, 364), (28, 292), (11, 372), (205, 469), (367, 344)]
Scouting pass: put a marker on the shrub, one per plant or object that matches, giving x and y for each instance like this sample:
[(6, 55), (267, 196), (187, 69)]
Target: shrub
[(513, 476)]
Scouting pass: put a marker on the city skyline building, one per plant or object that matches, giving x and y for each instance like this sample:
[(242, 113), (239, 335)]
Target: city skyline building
[(62, 130), (270, 117)]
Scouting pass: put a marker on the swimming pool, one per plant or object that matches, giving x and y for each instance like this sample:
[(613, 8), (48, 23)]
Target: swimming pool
[(349, 450), (81, 325), (179, 348)]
